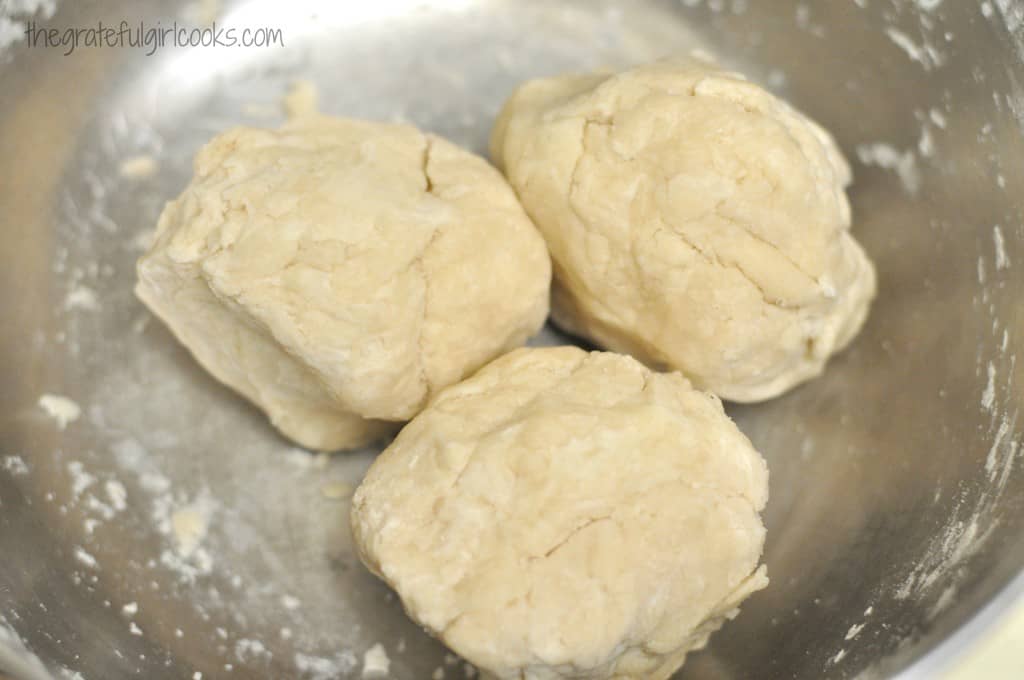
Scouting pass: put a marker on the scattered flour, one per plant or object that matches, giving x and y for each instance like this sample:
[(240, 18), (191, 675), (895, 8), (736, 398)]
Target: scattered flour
[(321, 668), (923, 54), (959, 541), (926, 143), (246, 649), (85, 558), (992, 460), (15, 16), (886, 156), (81, 297), (117, 494), (184, 523), (18, 659), (988, 397), (15, 465), (80, 479), (63, 410), (130, 609), (945, 599), (1002, 259)]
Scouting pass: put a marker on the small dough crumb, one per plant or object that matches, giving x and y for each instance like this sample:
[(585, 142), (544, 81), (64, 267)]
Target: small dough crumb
[(302, 99), (138, 167), (63, 410), (189, 526), (336, 490), (376, 662)]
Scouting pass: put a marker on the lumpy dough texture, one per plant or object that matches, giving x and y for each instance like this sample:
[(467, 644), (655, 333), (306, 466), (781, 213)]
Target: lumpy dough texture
[(339, 272), (567, 515), (695, 220)]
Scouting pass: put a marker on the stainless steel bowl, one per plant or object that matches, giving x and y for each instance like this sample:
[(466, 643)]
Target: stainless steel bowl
[(168, 530)]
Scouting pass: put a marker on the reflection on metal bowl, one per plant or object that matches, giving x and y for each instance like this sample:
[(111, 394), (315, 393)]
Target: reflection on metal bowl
[(167, 530)]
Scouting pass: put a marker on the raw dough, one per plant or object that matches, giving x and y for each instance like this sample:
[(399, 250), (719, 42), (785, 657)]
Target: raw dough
[(695, 220), (567, 515), (339, 272)]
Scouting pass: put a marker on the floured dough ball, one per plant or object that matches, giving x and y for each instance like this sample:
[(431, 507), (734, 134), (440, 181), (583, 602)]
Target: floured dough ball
[(339, 272), (695, 220), (567, 515)]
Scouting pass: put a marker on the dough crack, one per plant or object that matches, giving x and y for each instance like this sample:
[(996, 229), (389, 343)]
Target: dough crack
[(428, 147), (760, 239), (555, 548), (715, 262)]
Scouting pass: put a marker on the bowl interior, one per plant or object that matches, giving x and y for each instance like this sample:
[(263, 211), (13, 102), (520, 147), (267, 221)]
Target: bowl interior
[(896, 495)]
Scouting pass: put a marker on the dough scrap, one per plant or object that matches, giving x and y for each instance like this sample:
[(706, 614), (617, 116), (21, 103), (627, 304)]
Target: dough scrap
[(696, 222), (565, 514), (339, 272)]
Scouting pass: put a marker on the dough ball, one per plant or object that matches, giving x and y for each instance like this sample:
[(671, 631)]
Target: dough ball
[(567, 515), (695, 220), (339, 272)]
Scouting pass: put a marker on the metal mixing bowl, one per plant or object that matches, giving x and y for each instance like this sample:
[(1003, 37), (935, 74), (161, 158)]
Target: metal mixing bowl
[(169, 530)]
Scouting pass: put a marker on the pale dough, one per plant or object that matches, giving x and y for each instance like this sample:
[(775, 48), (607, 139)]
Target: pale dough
[(695, 221), (567, 515), (339, 272)]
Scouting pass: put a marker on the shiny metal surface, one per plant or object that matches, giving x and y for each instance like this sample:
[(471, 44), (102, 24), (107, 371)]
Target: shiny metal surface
[(897, 496)]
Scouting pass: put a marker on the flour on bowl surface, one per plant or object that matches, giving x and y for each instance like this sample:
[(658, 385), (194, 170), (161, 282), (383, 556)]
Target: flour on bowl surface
[(15, 465), (63, 410), (888, 157), (82, 297)]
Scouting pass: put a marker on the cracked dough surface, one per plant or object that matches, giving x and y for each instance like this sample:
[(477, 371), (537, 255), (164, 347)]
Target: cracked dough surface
[(565, 514), (695, 220), (339, 272)]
